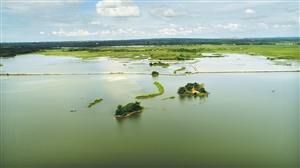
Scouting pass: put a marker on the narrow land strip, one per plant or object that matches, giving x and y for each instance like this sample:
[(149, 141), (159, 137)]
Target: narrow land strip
[(141, 73)]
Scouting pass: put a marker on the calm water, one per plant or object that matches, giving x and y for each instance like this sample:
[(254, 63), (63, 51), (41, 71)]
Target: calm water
[(241, 123)]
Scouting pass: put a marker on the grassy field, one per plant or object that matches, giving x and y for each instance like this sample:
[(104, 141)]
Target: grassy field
[(179, 52)]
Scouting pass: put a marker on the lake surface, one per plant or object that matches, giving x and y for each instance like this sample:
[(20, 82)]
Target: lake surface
[(33, 63), (248, 119)]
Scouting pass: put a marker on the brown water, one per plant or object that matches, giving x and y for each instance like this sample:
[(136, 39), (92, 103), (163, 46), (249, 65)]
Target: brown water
[(242, 122)]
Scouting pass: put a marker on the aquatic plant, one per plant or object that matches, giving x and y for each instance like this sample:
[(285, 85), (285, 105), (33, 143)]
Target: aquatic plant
[(98, 100), (171, 97)]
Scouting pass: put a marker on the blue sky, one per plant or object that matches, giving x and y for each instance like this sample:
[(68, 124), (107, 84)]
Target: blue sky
[(61, 20)]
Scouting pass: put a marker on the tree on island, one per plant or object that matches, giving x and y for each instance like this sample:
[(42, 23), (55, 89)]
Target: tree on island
[(181, 90), (124, 111), (191, 89), (154, 73)]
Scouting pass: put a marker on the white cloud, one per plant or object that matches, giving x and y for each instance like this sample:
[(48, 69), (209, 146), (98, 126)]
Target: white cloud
[(283, 26), (61, 32), (105, 32), (262, 25), (199, 28), (97, 23), (167, 31), (118, 8), (173, 25), (170, 13), (165, 12), (250, 11), (36, 8), (230, 27), (42, 33)]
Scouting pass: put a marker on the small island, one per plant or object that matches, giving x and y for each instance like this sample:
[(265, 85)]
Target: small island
[(154, 73), (164, 65), (94, 102), (180, 69), (193, 89), (128, 109)]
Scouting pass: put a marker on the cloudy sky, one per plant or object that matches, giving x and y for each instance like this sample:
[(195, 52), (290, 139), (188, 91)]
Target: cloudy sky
[(61, 20)]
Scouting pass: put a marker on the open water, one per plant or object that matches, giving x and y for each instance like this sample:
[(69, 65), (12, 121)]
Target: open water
[(248, 119)]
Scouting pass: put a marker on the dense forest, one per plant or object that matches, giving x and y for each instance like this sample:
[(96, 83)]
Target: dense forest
[(13, 49)]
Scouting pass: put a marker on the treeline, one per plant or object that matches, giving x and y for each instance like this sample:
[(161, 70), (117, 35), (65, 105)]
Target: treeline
[(13, 49)]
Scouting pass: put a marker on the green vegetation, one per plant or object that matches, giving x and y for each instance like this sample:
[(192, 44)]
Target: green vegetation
[(180, 69), (193, 89), (128, 109), (158, 49), (164, 65), (154, 73), (179, 52), (94, 102), (1, 65), (160, 92), (171, 97)]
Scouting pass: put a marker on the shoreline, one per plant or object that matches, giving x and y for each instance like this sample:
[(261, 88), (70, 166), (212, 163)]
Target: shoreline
[(141, 73)]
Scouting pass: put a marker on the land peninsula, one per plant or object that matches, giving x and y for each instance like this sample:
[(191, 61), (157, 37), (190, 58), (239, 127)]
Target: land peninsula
[(193, 89), (128, 109), (150, 95)]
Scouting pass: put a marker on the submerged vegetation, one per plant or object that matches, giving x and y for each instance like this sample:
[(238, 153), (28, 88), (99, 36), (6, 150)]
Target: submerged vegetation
[(94, 102), (171, 97), (180, 69), (150, 95), (193, 89), (128, 109)]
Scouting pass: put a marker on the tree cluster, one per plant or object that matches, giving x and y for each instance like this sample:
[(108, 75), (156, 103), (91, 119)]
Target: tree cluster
[(164, 65), (187, 89), (129, 108), (154, 73)]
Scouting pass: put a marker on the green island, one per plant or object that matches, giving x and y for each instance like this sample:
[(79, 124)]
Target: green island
[(164, 65), (150, 95), (171, 97), (154, 73), (180, 69), (193, 89), (94, 102), (1, 65), (128, 109)]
